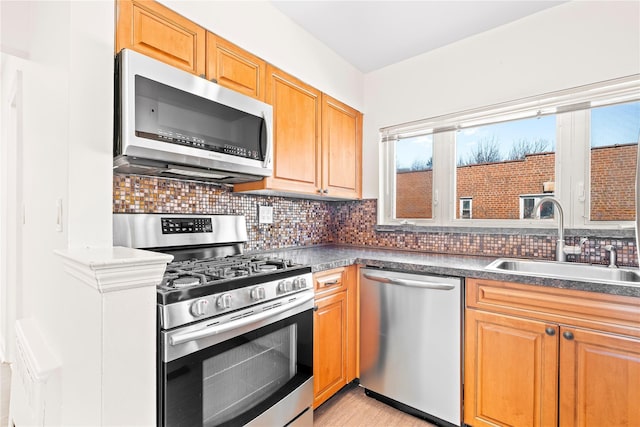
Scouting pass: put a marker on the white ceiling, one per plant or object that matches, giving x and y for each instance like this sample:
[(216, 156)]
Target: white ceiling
[(373, 34)]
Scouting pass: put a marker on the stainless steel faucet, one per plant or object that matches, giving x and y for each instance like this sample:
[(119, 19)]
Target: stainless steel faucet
[(561, 249), (612, 256)]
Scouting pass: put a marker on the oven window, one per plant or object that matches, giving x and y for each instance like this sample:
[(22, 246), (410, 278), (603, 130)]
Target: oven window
[(240, 378), (236, 380)]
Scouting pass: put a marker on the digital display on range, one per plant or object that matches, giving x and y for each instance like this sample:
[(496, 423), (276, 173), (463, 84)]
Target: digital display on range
[(186, 225)]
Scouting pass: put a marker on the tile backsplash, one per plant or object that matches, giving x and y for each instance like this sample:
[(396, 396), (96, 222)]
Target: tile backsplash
[(300, 222), (296, 222)]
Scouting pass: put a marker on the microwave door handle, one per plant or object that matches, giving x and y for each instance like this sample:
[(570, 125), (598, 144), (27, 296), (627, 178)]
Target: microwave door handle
[(267, 155), (217, 329)]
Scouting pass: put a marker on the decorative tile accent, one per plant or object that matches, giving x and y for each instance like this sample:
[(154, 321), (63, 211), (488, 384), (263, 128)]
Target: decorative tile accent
[(299, 222), (354, 224), (296, 222)]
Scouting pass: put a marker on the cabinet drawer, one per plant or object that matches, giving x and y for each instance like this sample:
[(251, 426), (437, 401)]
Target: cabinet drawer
[(613, 313), (330, 281)]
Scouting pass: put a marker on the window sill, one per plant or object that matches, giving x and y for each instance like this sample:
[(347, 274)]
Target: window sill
[(619, 233)]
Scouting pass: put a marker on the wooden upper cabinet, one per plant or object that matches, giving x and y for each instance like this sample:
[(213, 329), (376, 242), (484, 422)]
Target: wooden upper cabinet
[(341, 149), (235, 68), (317, 142), (297, 113), (156, 31)]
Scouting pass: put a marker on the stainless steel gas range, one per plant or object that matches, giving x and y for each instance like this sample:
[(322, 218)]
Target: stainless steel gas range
[(234, 330)]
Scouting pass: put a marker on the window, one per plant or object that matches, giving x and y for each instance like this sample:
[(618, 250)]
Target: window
[(496, 163), (466, 205), (414, 177), (528, 202), (614, 132), (488, 167)]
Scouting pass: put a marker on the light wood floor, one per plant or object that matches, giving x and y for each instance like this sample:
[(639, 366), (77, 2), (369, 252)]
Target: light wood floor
[(351, 408)]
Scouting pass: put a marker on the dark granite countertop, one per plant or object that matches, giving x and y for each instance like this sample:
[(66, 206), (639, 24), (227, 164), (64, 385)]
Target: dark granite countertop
[(326, 257)]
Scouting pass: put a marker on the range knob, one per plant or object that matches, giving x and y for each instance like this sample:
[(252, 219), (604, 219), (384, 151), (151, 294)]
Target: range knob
[(258, 293), (224, 301), (285, 286), (299, 283), (199, 308)]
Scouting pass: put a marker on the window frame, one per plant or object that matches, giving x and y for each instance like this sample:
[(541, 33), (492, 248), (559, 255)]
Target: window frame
[(572, 177), (535, 197), (466, 199)]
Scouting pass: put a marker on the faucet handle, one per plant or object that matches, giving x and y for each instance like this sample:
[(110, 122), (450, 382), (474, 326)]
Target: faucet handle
[(573, 250)]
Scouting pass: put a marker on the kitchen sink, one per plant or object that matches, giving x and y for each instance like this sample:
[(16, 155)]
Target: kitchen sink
[(566, 270)]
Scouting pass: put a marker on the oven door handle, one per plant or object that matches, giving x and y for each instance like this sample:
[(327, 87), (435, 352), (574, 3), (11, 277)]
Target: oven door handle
[(254, 318)]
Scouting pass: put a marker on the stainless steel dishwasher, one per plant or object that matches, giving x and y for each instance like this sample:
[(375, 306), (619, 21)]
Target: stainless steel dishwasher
[(410, 342)]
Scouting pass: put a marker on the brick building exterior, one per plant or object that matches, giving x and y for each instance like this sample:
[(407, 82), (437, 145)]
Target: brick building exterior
[(613, 182), (495, 188)]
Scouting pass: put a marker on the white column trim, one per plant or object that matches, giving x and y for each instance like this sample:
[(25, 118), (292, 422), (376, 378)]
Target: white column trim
[(116, 268)]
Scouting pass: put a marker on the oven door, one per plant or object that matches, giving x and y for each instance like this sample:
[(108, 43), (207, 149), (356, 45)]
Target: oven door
[(256, 368)]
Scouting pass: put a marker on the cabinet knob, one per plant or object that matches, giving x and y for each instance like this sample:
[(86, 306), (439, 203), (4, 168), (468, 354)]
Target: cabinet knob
[(550, 331), (325, 191), (315, 308), (568, 335)]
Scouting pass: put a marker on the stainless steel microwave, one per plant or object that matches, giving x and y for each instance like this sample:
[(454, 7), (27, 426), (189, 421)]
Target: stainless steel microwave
[(174, 124)]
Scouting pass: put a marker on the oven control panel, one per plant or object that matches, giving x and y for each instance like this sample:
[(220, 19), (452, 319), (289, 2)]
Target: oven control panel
[(216, 304), (178, 225)]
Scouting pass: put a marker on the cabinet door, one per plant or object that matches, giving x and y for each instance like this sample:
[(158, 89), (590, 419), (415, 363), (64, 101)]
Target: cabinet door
[(157, 31), (296, 111), (235, 68), (329, 346), (511, 371), (599, 379), (341, 149)]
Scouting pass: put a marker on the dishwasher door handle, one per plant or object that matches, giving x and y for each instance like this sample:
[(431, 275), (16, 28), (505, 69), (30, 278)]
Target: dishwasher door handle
[(411, 283)]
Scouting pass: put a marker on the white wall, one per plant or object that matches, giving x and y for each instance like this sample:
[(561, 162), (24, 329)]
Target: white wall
[(576, 43), (260, 28), (66, 59)]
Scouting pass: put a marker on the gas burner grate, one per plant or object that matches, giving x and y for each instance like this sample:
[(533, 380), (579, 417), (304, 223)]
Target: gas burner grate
[(197, 272)]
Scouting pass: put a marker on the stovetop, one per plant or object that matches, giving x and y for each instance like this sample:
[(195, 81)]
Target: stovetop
[(209, 259), (193, 278)]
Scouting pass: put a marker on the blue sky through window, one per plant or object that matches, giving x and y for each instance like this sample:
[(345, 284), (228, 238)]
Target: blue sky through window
[(616, 124)]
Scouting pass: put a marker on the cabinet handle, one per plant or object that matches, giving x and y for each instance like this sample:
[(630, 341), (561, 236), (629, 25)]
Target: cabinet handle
[(568, 335), (331, 282), (550, 331), (214, 80), (202, 76), (315, 308), (325, 191)]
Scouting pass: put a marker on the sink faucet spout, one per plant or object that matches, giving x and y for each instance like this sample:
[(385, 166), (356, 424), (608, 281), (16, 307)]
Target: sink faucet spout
[(561, 253)]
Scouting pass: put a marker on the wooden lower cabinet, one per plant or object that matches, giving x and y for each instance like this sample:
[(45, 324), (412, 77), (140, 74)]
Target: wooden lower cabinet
[(334, 332), (511, 371), (528, 363), (330, 346), (599, 379)]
